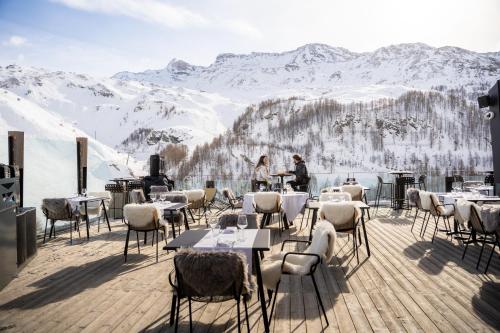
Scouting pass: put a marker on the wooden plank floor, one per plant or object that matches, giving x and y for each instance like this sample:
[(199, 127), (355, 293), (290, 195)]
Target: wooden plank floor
[(408, 284)]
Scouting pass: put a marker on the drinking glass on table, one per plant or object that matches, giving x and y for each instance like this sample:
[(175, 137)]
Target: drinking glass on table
[(262, 187), (163, 196), (242, 224), (213, 223)]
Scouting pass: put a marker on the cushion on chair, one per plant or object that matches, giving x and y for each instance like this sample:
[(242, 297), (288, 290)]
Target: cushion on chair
[(210, 194), (462, 211), (356, 191), (327, 196), (196, 198), (323, 243), (412, 195), (139, 216), (137, 196), (425, 199), (340, 214), (211, 273), (442, 210), (56, 208), (267, 202)]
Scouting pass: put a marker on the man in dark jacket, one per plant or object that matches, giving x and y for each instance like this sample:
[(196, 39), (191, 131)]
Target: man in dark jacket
[(300, 172)]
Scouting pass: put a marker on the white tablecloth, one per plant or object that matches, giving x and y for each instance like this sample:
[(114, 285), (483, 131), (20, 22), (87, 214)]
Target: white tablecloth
[(228, 241), (292, 203)]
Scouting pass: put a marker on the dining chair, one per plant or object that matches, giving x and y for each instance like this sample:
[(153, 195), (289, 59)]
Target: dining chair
[(304, 263), (58, 209), (141, 218), (268, 204), (209, 277)]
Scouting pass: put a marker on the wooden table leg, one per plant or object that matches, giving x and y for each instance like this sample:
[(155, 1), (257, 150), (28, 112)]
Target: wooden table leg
[(106, 214), (260, 286)]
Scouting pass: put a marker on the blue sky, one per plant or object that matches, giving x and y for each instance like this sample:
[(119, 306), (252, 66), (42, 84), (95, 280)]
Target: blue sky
[(104, 37)]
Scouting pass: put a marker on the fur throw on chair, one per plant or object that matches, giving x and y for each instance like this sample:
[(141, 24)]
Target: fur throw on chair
[(323, 243), (56, 209), (231, 220), (211, 274), (412, 196)]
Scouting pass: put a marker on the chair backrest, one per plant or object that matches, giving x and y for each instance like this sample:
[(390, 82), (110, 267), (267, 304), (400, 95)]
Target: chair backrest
[(342, 215), (159, 189), (356, 191), (335, 196), (139, 216), (380, 180), (137, 196), (210, 195), (475, 218), (196, 198), (211, 274), (413, 197), (267, 202), (425, 200), (177, 197), (421, 179), (228, 194), (56, 208), (463, 211), (231, 220), (323, 241)]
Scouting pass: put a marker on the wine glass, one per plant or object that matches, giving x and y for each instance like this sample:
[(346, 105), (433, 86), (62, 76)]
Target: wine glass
[(163, 196), (213, 222), (288, 187), (84, 192), (242, 224), (262, 187)]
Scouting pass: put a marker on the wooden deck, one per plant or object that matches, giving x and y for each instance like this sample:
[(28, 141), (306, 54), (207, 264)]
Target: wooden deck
[(408, 284)]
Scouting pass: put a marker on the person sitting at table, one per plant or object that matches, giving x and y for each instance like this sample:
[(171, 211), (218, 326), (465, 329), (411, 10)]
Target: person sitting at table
[(300, 172), (262, 176)]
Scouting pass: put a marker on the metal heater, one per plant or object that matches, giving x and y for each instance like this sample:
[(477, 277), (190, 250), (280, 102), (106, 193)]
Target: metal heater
[(492, 100), (81, 162)]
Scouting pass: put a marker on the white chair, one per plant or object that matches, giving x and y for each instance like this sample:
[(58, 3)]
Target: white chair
[(141, 217), (438, 210), (356, 191), (267, 203), (345, 217), (196, 200), (425, 201), (319, 250), (335, 196), (95, 207)]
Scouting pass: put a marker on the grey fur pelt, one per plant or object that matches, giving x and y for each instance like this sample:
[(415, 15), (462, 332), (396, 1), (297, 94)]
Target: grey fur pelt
[(56, 208), (211, 273), (413, 195), (231, 220)]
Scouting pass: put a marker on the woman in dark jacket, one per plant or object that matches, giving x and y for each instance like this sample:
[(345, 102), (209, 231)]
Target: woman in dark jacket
[(300, 172)]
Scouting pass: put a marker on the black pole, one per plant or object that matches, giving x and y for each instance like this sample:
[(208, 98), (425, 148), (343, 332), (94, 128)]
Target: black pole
[(78, 165)]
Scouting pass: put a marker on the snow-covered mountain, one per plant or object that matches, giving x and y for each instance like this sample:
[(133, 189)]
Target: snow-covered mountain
[(114, 111), (318, 69)]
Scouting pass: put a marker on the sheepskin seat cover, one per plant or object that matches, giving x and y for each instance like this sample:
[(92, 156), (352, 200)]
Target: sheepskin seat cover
[(447, 210), (327, 196), (340, 214), (158, 189), (425, 200), (56, 208), (323, 243), (141, 217), (231, 220), (356, 191), (196, 198), (95, 207), (412, 196), (137, 196), (267, 202), (211, 274), (462, 211)]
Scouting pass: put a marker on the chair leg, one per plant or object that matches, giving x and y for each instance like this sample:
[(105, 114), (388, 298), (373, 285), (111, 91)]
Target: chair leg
[(126, 245), (491, 255), (466, 246), (156, 244), (246, 313), (190, 315), (274, 302), (138, 245), (177, 314), (173, 309), (414, 219), (238, 313), (435, 228), (71, 231), (355, 248), (481, 253), (319, 299), (45, 232), (423, 229)]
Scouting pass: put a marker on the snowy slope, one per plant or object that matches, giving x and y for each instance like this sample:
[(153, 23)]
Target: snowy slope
[(321, 69), (50, 152), (113, 110)]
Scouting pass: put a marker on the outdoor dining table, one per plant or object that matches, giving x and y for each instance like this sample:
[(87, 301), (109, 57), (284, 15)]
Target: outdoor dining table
[(316, 205), (399, 189), (281, 175), (262, 242), (78, 200), (292, 203)]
